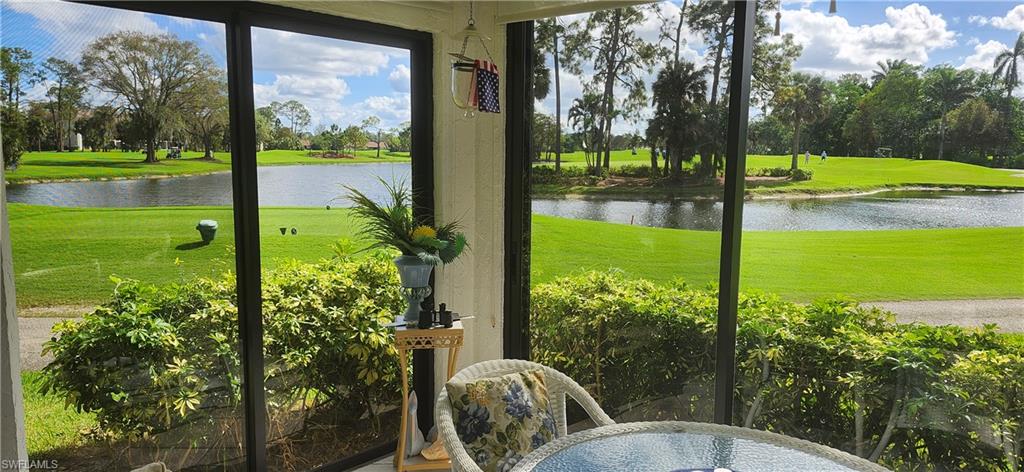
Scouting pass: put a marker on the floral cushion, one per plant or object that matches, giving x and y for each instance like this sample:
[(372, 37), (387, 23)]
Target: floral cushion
[(502, 419)]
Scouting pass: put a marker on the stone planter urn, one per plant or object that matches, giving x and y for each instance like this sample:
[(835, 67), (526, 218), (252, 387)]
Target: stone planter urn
[(415, 276)]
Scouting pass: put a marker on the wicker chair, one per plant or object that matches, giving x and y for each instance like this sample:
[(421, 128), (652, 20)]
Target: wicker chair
[(558, 384)]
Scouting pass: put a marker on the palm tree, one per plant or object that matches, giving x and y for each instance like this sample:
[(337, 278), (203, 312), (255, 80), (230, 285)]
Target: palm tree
[(1007, 65), (547, 36), (946, 88), (887, 67), (803, 101), (676, 125)]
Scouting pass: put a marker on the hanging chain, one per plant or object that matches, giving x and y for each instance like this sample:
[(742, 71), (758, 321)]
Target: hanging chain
[(465, 39)]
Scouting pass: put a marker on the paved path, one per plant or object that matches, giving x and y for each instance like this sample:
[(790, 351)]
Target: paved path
[(1007, 314), (33, 333)]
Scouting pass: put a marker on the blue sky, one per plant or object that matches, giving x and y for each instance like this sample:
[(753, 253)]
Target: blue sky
[(343, 82), (340, 82)]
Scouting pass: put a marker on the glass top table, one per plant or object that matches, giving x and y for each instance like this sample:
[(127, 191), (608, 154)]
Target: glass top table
[(686, 447)]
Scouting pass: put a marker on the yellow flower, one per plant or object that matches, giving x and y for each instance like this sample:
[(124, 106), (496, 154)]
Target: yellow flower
[(478, 393), (423, 231)]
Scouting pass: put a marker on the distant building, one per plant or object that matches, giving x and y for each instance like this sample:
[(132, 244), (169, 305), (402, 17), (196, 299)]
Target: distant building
[(374, 145), (74, 141)]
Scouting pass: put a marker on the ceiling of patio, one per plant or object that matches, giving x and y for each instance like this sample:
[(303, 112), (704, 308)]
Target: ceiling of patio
[(436, 15)]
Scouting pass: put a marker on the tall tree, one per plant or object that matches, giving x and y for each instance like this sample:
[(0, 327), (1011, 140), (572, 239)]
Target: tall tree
[(620, 57), (99, 127), (1007, 65), (152, 76), (206, 115), (585, 117), (771, 62), (66, 94), (371, 127), (548, 33), (802, 101), (975, 128), (945, 88), (887, 67), (17, 71), (679, 94), (294, 112)]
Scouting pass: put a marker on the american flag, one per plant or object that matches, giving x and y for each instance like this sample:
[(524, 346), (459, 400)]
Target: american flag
[(485, 96)]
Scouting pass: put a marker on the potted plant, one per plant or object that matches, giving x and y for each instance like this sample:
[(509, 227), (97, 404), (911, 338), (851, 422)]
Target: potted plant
[(392, 224)]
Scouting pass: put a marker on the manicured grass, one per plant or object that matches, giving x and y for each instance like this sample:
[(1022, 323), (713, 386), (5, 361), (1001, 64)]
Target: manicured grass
[(51, 427), (40, 166), (64, 256), (837, 174), (798, 265), (865, 173)]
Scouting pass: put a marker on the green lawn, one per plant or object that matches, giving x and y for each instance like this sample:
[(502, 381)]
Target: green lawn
[(117, 164), (837, 174), (52, 430), (799, 265), (65, 255), (865, 173)]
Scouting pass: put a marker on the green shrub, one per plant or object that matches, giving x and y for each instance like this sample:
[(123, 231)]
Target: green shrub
[(833, 372), (567, 175), (793, 174), (156, 358), (631, 170)]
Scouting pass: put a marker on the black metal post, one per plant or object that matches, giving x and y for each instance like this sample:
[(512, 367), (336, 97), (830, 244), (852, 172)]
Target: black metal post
[(247, 238), (421, 61), (518, 146), (732, 217)]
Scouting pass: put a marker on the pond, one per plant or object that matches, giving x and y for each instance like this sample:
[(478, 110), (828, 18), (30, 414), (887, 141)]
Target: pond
[(299, 185), (879, 211), (320, 185)]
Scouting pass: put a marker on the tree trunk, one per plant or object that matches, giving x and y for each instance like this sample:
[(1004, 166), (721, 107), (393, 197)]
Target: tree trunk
[(654, 163), (796, 145), (942, 132), (679, 34), (558, 105), (894, 414), (719, 53), (378, 143), (151, 149), (858, 420), (611, 69)]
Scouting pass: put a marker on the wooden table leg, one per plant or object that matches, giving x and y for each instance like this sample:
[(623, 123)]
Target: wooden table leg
[(403, 364)]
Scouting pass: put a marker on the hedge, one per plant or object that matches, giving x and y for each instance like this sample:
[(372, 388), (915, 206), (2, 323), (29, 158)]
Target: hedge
[(163, 362), (834, 372)]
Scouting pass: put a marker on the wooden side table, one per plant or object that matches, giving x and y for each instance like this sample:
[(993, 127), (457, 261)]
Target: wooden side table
[(409, 339)]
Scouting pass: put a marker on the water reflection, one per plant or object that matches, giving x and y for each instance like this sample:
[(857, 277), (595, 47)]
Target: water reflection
[(305, 185), (889, 210)]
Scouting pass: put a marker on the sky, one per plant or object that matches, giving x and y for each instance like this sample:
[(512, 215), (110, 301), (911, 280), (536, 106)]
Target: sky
[(340, 82), (343, 82)]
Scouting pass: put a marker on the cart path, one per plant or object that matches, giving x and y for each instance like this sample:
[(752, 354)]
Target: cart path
[(1008, 314)]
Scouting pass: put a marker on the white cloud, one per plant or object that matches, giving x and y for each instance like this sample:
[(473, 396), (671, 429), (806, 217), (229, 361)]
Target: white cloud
[(73, 25), (832, 46), (322, 95), (1013, 20), (284, 52), (400, 77), (984, 54)]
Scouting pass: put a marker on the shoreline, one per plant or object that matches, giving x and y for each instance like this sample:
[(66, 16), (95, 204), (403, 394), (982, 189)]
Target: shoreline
[(778, 195)]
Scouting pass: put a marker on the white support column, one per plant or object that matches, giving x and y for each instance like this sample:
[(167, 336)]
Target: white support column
[(13, 454), (469, 170)]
